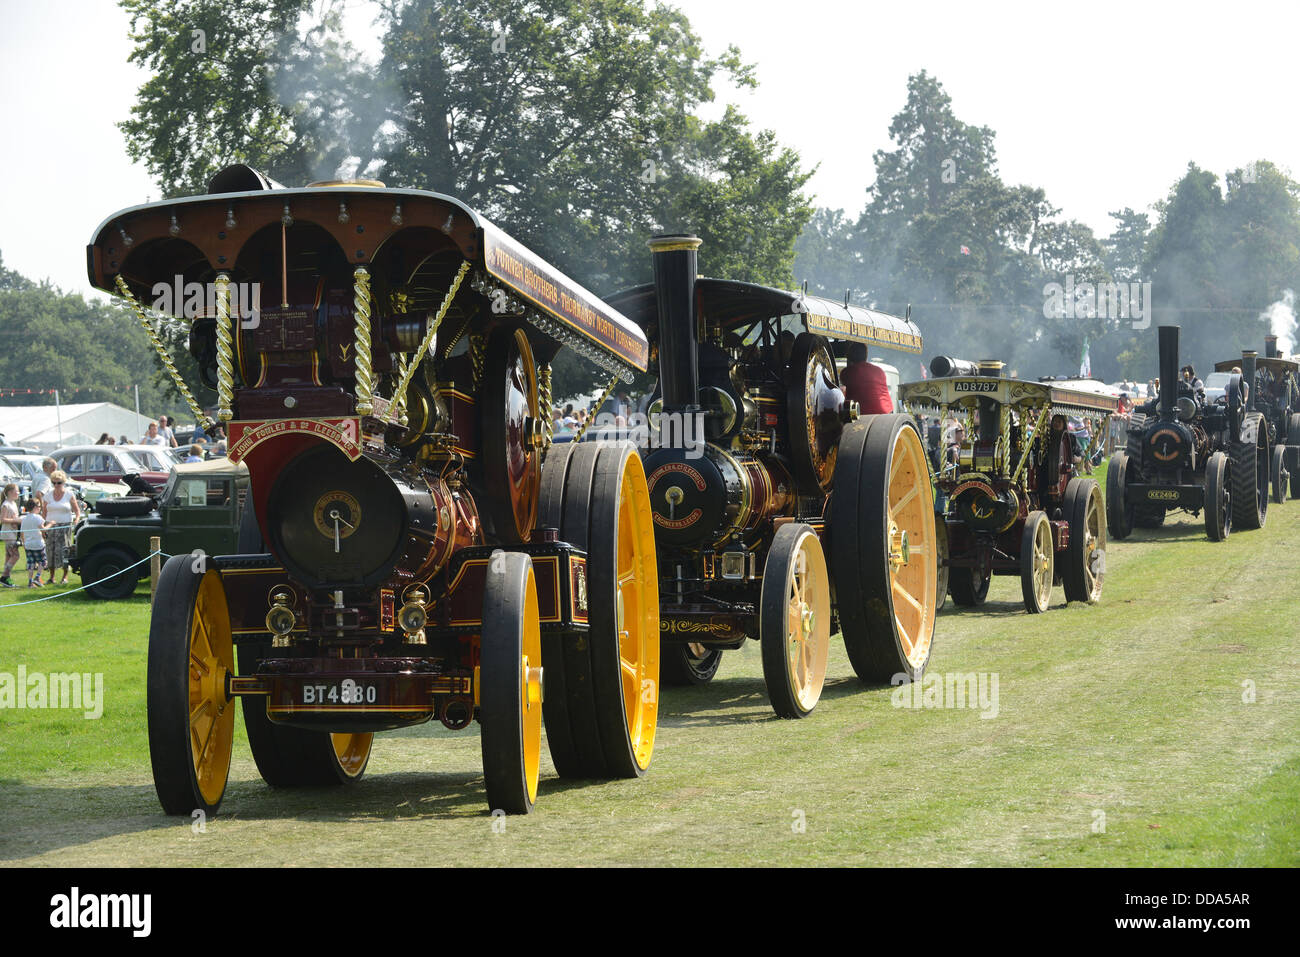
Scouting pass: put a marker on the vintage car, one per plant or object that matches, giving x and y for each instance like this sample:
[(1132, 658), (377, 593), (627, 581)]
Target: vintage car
[(105, 463), (197, 512), (408, 554), (29, 469), (1184, 452), (784, 516), (1012, 496)]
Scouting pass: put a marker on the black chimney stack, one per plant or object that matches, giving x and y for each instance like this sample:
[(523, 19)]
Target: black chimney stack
[(1168, 371), (1270, 347), (1248, 376), (675, 270)]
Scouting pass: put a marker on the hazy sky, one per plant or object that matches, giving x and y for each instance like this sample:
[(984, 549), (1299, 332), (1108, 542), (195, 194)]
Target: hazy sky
[(1102, 103)]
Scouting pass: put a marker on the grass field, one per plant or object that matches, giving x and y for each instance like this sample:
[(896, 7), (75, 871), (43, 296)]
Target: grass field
[(1159, 727)]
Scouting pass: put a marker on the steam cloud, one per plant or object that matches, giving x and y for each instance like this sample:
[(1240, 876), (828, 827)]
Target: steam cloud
[(1281, 320)]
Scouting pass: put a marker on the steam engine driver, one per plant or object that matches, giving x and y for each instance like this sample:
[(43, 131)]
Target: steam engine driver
[(864, 382)]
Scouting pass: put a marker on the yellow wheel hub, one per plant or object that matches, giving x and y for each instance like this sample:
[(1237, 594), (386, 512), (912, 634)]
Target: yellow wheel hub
[(212, 712), (911, 535)]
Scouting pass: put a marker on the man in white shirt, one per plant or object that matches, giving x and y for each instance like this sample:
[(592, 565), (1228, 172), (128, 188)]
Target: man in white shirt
[(153, 436), (165, 430), (42, 486)]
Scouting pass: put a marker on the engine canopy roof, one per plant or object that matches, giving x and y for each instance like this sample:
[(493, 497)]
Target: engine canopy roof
[(732, 303), (197, 236)]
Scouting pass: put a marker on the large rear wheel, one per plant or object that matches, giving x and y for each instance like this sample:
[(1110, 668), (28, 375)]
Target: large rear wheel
[(1249, 474), (883, 548), (191, 717), (510, 689), (1085, 559), (602, 718), (1119, 517), (794, 620)]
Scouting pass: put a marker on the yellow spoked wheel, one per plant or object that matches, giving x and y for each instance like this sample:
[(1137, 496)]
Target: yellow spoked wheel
[(884, 548), (628, 724), (1085, 559), (794, 620), (191, 717), (602, 709), (510, 695), (1037, 562)]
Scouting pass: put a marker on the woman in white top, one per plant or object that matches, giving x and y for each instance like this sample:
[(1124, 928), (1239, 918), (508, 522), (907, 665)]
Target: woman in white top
[(63, 510), (10, 521)]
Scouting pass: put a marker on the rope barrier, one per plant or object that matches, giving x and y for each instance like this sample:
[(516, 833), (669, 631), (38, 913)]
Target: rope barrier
[(64, 594)]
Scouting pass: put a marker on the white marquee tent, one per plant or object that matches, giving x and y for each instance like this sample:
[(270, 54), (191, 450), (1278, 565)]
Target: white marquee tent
[(49, 427)]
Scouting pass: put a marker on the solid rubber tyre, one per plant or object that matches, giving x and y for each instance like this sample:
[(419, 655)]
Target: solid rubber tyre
[(1218, 498), (1249, 474), (510, 684), (1279, 476), (794, 616), (602, 713), (1037, 563), (883, 547), (1085, 558), (1119, 519), (191, 719)]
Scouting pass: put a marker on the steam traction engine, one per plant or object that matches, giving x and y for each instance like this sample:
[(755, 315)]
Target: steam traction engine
[(784, 476), (1186, 453), (1012, 501), (408, 554), (1276, 396)]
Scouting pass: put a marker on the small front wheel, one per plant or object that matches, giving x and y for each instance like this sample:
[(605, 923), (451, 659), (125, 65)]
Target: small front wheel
[(1218, 498), (794, 620), (1037, 562), (1280, 477), (191, 716), (510, 694)]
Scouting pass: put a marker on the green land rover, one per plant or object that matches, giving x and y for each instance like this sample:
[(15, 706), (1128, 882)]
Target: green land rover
[(197, 510)]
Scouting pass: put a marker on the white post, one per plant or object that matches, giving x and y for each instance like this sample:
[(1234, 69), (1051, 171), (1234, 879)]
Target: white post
[(58, 415), (138, 430)]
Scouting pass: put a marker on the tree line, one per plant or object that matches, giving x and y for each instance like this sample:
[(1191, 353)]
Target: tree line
[(992, 270), (578, 126)]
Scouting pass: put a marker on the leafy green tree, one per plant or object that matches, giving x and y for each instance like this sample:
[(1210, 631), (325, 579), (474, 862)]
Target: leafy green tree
[(571, 123), (89, 351), (1125, 248)]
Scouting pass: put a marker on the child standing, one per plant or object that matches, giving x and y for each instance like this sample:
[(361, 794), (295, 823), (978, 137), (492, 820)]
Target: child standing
[(10, 522), (33, 542)]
